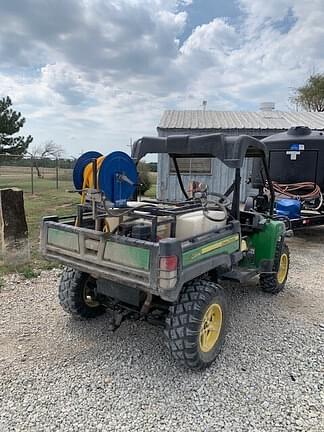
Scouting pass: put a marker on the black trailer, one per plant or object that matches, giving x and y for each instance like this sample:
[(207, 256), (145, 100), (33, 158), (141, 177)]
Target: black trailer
[(296, 166)]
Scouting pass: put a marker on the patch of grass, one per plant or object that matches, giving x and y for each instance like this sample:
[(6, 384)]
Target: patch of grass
[(151, 193), (28, 272)]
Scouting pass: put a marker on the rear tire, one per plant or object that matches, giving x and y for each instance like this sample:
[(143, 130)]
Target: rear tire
[(196, 324), (76, 294), (274, 283)]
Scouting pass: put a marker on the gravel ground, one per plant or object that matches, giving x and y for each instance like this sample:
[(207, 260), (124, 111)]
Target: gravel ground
[(63, 375)]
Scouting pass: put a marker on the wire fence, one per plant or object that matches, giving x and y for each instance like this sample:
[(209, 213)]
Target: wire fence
[(35, 176)]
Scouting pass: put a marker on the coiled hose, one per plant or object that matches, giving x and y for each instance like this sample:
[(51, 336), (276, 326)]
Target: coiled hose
[(88, 182), (303, 191), (220, 202), (88, 178)]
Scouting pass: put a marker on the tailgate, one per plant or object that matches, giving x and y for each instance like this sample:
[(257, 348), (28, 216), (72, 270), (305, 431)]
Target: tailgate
[(122, 259)]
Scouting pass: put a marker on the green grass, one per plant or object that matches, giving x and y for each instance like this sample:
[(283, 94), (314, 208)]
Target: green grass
[(45, 201), (2, 283), (151, 193), (28, 272)]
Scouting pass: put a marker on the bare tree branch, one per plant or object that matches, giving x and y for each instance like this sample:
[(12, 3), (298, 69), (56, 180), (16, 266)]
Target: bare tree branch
[(46, 150)]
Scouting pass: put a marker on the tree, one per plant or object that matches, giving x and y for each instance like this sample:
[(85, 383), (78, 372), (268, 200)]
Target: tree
[(310, 96), (145, 180), (11, 122), (45, 150)]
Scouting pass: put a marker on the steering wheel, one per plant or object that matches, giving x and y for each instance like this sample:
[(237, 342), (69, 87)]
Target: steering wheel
[(220, 202), (220, 199)]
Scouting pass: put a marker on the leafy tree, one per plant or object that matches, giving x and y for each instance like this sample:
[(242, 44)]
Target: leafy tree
[(11, 122), (310, 96), (145, 180), (153, 166)]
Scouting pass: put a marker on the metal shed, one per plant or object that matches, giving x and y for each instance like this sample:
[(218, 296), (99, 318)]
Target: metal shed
[(212, 172)]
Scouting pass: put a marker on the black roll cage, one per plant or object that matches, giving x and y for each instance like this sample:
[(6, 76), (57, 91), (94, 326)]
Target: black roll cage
[(231, 150)]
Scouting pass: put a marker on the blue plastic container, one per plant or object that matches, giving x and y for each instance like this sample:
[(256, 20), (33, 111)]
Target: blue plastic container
[(288, 207)]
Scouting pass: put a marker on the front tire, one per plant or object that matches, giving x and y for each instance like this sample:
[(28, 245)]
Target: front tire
[(274, 283), (196, 324), (76, 294)]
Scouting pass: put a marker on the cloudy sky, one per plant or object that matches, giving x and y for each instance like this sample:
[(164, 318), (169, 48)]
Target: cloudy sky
[(91, 74)]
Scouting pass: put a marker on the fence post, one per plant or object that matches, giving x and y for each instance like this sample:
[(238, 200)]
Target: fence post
[(32, 175), (57, 173)]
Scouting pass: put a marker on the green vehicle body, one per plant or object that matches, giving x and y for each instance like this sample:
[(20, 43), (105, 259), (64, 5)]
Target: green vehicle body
[(265, 242)]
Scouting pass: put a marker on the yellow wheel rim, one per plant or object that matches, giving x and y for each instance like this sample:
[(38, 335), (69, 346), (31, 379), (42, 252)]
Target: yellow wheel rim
[(283, 268), (210, 327)]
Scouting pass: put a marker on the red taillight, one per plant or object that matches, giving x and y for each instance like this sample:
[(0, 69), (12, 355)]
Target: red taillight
[(169, 263)]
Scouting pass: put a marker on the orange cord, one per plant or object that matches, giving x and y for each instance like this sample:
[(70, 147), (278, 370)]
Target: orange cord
[(301, 191)]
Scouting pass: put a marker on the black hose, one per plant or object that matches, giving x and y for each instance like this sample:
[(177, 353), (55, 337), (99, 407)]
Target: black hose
[(207, 209), (224, 200), (176, 166)]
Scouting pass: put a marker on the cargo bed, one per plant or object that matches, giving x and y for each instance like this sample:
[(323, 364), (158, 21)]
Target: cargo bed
[(136, 263)]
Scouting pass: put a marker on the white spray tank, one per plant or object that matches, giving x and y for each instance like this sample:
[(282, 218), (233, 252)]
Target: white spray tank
[(197, 223)]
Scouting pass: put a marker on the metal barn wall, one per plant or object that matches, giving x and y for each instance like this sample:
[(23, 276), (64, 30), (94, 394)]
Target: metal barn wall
[(219, 180)]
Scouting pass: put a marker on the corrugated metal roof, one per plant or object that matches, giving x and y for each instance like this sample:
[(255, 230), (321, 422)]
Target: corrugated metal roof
[(261, 120)]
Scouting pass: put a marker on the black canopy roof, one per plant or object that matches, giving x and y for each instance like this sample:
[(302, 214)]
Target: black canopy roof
[(231, 150)]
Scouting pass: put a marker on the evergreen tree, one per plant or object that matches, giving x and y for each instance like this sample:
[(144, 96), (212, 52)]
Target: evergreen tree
[(11, 122)]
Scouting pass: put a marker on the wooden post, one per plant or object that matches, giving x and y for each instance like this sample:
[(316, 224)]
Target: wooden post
[(13, 227)]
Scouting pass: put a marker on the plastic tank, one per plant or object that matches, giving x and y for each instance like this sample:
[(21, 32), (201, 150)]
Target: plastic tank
[(294, 156), (188, 225), (196, 223)]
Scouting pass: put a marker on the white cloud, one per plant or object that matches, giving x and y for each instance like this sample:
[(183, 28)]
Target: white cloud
[(216, 35), (104, 71), (258, 11)]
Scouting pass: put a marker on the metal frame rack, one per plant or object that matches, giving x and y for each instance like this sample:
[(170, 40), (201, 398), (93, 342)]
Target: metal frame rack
[(149, 210)]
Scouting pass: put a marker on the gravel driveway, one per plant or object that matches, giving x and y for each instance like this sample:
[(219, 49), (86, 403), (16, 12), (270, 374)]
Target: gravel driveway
[(63, 375)]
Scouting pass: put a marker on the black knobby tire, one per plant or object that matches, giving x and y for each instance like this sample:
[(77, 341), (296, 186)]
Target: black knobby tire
[(184, 322), (269, 282), (72, 297)]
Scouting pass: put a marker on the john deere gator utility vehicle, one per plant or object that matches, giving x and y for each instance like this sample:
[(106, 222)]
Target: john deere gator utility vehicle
[(165, 261)]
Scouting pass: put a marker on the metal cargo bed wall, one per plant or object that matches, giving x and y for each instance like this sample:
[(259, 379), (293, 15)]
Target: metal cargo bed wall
[(219, 180)]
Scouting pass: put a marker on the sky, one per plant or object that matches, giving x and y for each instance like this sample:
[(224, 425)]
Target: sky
[(94, 74)]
